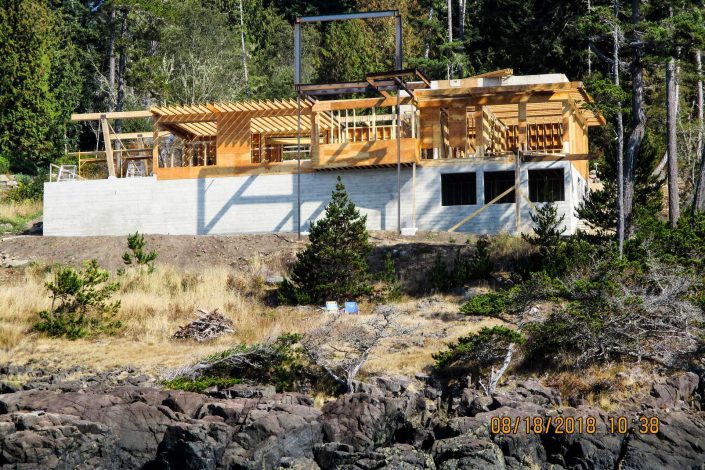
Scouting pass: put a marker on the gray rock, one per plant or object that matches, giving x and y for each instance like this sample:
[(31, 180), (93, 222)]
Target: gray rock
[(680, 443), (8, 387), (16, 263), (467, 452), (47, 440), (274, 280), (365, 422), (246, 391), (193, 446)]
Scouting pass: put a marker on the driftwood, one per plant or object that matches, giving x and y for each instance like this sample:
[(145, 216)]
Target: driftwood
[(209, 325)]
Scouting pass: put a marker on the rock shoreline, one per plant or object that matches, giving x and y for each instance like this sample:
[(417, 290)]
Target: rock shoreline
[(122, 420)]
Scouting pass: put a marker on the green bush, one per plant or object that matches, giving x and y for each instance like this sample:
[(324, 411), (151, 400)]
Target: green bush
[(480, 264), (389, 277), (28, 188), (4, 165), (280, 363), (334, 264), (620, 310), (200, 384), (438, 277), (465, 267), (477, 352), (684, 244), (491, 304), (137, 253), (80, 303)]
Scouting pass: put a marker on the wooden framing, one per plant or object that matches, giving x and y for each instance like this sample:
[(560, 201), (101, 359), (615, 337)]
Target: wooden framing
[(465, 119)]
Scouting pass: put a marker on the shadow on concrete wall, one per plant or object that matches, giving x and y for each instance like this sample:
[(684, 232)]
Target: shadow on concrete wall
[(205, 224)]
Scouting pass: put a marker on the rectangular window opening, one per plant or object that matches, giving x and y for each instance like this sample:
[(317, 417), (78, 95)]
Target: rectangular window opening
[(497, 182), (546, 185), (458, 189)]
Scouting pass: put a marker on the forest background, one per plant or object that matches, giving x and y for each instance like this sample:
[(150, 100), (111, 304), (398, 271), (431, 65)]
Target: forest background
[(59, 57)]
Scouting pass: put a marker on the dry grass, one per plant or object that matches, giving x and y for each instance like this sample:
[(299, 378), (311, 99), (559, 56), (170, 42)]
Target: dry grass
[(605, 386), (18, 214), (437, 325), (153, 307)]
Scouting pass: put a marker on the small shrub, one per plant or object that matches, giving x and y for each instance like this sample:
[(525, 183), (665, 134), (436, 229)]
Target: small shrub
[(477, 354), (279, 362), (4, 165), (481, 266), (465, 268), (491, 304), (137, 253), (80, 303), (438, 275), (334, 264), (200, 384), (547, 229), (388, 276)]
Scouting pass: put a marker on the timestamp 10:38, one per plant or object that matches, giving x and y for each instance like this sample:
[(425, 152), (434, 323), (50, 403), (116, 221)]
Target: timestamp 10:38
[(572, 425)]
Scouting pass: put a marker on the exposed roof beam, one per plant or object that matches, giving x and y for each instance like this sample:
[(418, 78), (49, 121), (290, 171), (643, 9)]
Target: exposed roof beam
[(111, 115)]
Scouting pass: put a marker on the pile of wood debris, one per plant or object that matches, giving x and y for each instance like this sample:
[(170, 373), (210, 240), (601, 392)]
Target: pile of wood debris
[(209, 325)]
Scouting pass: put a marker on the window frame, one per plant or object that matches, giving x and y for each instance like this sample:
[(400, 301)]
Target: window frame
[(538, 187), (488, 188), (456, 196)]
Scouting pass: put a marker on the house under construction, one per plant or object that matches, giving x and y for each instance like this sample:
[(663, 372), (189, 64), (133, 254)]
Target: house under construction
[(474, 155)]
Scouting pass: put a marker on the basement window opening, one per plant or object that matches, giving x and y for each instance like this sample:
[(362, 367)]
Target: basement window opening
[(546, 185), (497, 182), (458, 189)]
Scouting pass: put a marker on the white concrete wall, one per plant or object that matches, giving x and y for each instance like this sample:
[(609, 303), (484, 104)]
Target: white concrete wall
[(267, 203)]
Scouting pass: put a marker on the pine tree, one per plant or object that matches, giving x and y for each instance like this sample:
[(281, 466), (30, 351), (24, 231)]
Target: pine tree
[(334, 264), (27, 107), (548, 228)]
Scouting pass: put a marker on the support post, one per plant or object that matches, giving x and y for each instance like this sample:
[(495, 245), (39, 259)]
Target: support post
[(479, 132), (398, 42), (398, 161), (298, 164), (566, 127), (517, 191), (297, 53), (155, 146), (108, 146), (523, 127), (413, 195)]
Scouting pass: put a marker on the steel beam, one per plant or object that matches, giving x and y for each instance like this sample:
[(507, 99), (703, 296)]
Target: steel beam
[(348, 16)]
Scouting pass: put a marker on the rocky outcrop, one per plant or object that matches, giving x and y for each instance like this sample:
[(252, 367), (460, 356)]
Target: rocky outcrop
[(388, 424)]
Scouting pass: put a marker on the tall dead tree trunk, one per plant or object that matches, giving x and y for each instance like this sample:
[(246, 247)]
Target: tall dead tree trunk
[(699, 204), (589, 54), (244, 51), (461, 18), (671, 121), (427, 46), (620, 133), (450, 36), (638, 121), (122, 66), (111, 53)]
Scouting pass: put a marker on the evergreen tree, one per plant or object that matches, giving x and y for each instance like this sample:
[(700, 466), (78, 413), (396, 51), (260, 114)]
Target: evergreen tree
[(334, 264), (27, 105), (548, 228)]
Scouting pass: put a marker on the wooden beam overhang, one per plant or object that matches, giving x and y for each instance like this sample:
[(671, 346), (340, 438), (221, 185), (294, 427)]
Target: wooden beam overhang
[(555, 157), (339, 105), (135, 135), (495, 74), (111, 115)]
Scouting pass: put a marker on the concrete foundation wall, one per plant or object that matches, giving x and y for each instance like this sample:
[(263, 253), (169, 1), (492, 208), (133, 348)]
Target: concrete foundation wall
[(267, 203)]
